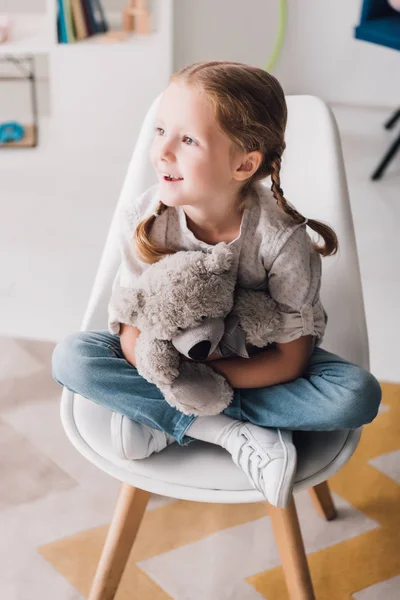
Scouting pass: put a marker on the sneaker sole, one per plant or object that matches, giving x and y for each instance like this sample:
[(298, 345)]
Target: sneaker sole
[(286, 484), (116, 435)]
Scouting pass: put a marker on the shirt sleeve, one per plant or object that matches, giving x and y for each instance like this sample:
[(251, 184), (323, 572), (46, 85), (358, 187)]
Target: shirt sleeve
[(294, 282), (130, 267)]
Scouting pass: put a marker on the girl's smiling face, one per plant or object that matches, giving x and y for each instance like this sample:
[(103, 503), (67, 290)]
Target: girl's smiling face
[(190, 145)]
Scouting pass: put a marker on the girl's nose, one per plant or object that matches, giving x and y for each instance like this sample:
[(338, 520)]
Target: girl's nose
[(167, 151), (167, 156)]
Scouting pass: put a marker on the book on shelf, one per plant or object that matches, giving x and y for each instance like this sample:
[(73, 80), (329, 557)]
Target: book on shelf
[(70, 24), (89, 17), (79, 19), (62, 23), (99, 16)]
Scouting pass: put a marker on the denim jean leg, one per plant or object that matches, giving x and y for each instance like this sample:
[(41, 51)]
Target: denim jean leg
[(333, 394), (91, 363)]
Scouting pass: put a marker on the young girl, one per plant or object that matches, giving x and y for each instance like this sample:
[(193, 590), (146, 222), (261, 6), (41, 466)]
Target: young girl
[(219, 132)]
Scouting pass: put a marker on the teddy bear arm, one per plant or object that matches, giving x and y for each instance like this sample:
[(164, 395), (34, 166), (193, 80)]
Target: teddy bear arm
[(156, 360), (259, 316)]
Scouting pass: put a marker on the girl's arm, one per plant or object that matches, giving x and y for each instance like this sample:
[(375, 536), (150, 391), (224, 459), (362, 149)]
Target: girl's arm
[(128, 337), (294, 279), (279, 364)]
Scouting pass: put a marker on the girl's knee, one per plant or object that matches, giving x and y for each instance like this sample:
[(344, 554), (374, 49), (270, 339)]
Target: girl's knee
[(65, 356), (372, 395), (363, 398)]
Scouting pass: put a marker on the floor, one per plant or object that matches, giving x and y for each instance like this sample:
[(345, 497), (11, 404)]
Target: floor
[(47, 490)]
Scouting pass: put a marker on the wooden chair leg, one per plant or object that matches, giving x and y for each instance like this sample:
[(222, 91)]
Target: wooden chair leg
[(121, 535), (322, 500), (290, 544)]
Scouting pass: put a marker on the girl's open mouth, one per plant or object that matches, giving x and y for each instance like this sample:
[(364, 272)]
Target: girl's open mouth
[(172, 179)]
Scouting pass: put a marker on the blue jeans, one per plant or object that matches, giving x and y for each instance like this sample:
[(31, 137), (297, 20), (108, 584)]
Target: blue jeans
[(333, 393)]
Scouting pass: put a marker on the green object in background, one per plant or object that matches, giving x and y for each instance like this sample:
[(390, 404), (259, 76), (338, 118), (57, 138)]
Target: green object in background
[(280, 37)]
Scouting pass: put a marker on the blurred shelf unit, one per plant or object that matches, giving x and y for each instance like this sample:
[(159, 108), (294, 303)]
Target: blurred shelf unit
[(38, 33), (32, 33), (133, 64), (22, 70)]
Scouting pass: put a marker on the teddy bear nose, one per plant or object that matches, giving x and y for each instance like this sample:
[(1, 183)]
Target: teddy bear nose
[(200, 351)]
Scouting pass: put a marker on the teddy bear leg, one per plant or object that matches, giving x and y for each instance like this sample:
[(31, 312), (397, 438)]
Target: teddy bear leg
[(198, 390)]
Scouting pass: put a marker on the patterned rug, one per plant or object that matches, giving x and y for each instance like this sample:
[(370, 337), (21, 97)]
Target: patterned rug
[(187, 550)]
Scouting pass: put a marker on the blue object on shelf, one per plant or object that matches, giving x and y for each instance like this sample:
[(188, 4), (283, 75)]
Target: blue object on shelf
[(11, 132), (379, 24)]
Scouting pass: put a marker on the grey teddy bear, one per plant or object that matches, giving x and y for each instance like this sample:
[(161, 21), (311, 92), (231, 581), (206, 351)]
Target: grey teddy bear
[(188, 303)]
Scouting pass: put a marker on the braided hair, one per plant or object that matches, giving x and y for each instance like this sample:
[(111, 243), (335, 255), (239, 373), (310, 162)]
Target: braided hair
[(249, 106)]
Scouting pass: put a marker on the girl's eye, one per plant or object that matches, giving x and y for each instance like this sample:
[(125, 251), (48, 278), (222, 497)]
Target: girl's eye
[(190, 139), (187, 140)]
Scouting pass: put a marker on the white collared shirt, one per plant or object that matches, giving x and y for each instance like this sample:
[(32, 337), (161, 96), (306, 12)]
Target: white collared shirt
[(272, 254)]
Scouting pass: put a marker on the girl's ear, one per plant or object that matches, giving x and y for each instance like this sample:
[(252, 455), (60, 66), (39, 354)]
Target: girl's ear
[(249, 165)]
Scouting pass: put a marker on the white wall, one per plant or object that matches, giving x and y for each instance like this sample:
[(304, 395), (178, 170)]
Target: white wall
[(320, 55), (20, 6)]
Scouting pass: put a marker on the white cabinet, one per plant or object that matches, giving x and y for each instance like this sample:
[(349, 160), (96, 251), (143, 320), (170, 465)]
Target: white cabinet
[(58, 198), (99, 92)]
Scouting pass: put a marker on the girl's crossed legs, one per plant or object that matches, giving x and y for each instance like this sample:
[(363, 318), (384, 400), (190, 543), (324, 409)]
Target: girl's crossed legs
[(333, 393)]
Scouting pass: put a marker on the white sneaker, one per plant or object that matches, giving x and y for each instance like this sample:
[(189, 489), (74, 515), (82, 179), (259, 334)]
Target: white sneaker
[(133, 441), (267, 456)]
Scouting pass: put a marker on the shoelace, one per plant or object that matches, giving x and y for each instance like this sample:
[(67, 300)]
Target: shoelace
[(245, 457)]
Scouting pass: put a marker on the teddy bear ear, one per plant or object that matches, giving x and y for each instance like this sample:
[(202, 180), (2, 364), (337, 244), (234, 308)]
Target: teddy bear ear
[(220, 259)]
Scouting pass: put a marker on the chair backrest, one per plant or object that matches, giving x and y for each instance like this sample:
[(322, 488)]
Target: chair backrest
[(379, 24), (314, 181)]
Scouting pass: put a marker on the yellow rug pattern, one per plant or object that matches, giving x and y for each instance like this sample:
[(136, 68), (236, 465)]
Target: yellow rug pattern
[(163, 562)]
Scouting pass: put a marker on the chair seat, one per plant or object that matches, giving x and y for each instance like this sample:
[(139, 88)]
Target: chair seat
[(201, 472)]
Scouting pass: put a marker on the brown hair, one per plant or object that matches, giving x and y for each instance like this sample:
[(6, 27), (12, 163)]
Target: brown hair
[(250, 107)]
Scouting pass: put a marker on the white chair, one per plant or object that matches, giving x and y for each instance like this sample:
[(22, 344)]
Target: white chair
[(313, 179)]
